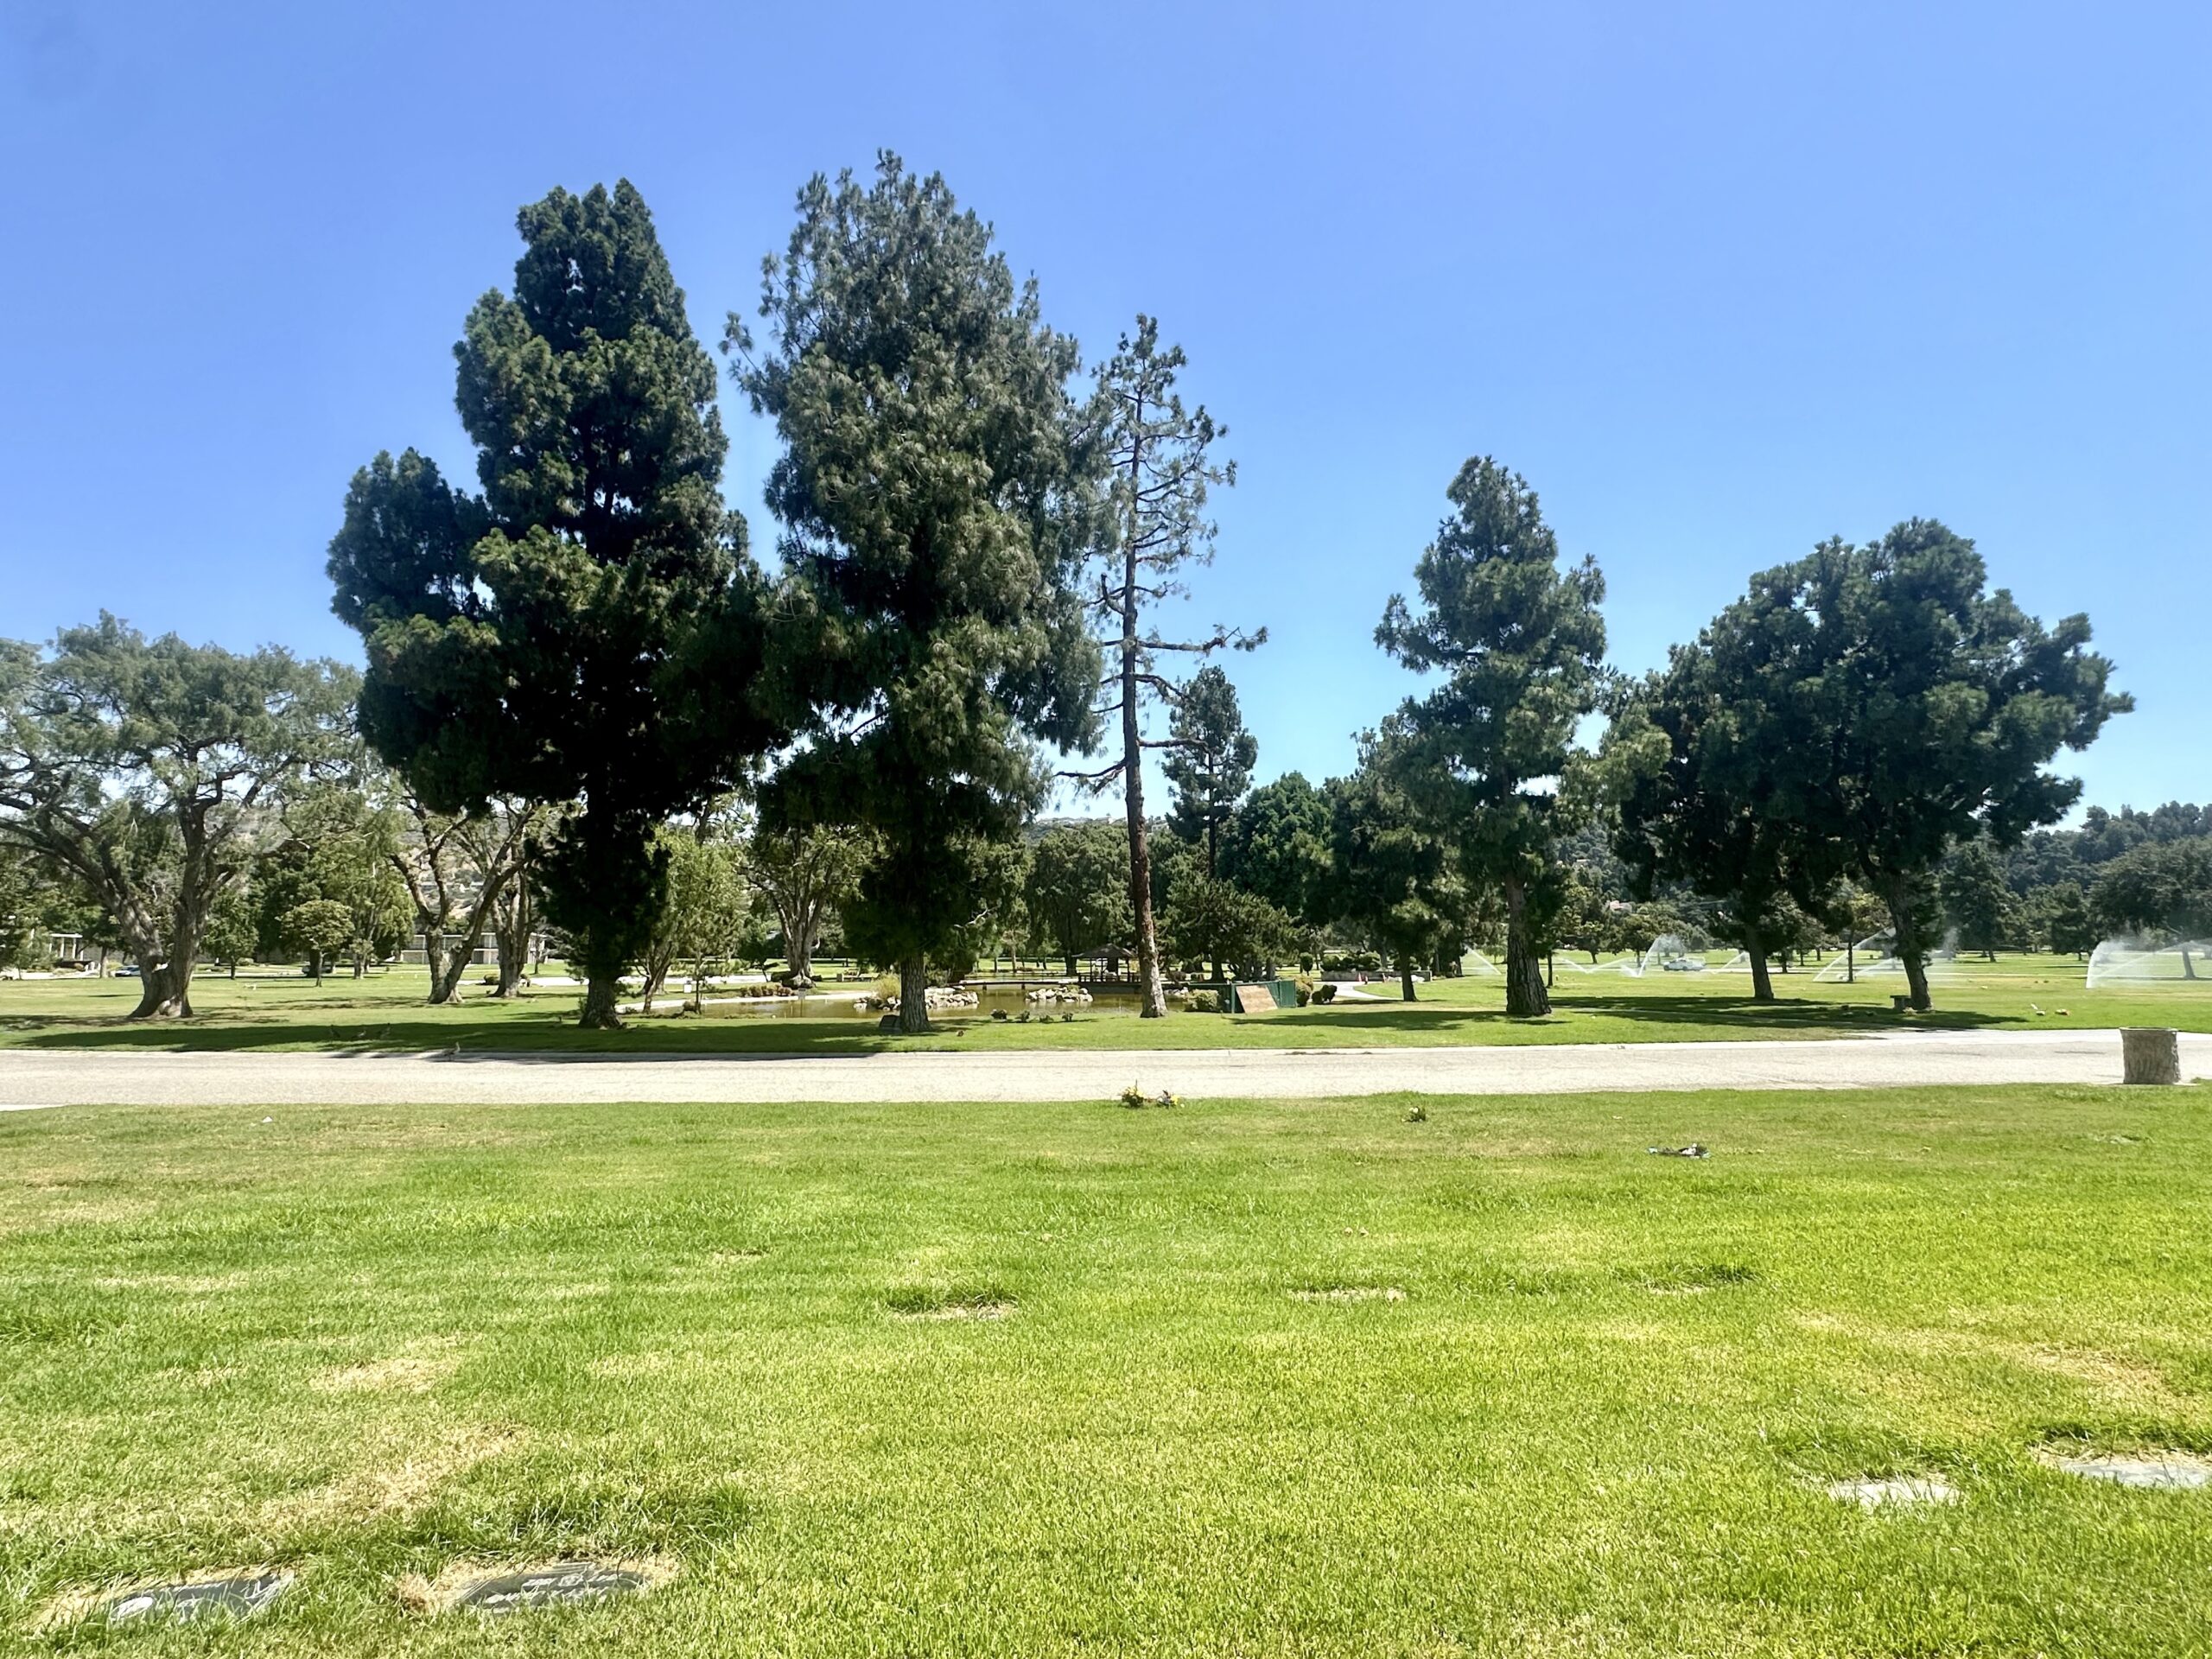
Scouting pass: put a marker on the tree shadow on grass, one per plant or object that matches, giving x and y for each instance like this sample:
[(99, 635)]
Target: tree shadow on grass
[(1738, 1015), (553, 1035), (549, 1033)]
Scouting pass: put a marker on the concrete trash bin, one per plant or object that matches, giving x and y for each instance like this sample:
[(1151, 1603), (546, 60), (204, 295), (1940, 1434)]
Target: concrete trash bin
[(2149, 1054)]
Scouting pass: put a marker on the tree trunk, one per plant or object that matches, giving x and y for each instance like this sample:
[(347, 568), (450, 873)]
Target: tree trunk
[(2188, 968), (657, 963), (160, 995), (914, 995), (435, 959), (1406, 981), (602, 986), (1762, 984), (1916, 978), (510, 931), (445, 979), (1911, 950), (1152, 985), (799, 950), (1525, 996), (1072, 971)]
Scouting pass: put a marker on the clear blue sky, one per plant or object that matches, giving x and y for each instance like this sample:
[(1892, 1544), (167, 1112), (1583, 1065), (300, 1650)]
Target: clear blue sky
[(1721, 280)]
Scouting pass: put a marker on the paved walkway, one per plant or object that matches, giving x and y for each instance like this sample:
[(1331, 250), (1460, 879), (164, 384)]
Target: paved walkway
[(33, 1079)]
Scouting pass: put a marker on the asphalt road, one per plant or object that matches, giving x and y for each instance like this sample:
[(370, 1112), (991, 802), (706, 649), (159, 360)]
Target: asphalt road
[(31, 1078)]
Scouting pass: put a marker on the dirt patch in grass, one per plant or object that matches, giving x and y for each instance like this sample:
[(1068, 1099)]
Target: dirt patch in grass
[(1892, 1491), (442, 1595)]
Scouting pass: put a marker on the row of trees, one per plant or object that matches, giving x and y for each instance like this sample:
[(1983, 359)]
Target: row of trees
[(581, 651)]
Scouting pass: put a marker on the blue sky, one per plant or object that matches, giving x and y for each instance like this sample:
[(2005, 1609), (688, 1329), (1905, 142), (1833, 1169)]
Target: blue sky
[(1721, 280)]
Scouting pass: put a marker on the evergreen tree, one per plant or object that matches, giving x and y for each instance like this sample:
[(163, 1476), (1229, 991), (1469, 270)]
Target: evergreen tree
[(2068, 927), (1392, 873), (1918, 710), (1277, 846), (1160, 470), (1977, 900), (1209, 760), (1690, 759), (939, 501), (1521, 645), (2162, 892), (587, 632)]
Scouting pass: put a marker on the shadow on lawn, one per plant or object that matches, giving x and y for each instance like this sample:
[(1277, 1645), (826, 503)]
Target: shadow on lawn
[(522, 1036), (1737, 1014), (551, 1033)]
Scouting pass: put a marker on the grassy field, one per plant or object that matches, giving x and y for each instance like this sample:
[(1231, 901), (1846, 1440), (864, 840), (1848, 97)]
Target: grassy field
[(385, 1011), (1264, 1379)]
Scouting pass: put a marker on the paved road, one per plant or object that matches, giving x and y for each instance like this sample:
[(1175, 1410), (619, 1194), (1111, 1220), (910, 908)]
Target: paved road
[(33, 1079)]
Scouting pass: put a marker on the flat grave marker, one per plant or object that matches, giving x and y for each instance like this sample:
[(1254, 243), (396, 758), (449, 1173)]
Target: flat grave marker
[(559, 1584), (186, 1604), (2171, 1471)]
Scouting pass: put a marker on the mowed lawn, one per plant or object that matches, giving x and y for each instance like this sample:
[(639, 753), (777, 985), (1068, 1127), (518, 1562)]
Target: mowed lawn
[(1304, 1378), (283, 1011)]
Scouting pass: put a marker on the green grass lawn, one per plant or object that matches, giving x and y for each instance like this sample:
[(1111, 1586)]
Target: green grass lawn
[(1304, 1378), (385, 1011)]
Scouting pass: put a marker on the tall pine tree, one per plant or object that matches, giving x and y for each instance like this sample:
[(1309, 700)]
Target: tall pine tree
[(939, 501), (587, 631), (1521, 645), (1209, 760), (1161, 468)]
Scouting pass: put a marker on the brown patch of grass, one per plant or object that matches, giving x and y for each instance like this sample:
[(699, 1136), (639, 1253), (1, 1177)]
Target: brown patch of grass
[(421, 1465), (2126, 1380), (403, 1373)]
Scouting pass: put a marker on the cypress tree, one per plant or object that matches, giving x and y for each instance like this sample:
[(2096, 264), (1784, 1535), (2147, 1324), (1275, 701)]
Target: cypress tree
[(585, 631)]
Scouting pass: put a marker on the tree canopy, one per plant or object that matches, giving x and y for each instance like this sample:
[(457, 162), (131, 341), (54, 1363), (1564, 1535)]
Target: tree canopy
[(587, 631), (1393, 875), (146, 770), (1076, 893), (1277, 846), (940, 497), (1911, 709), (1520, 646), (1209, 760), (2161, 892)]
